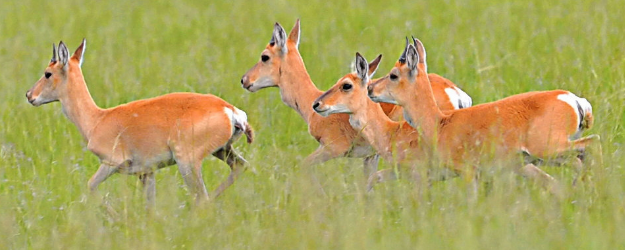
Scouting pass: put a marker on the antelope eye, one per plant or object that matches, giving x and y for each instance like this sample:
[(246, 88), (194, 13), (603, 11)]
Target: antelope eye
[(393, 77), (264, 58), (48, 75), (346, 87)]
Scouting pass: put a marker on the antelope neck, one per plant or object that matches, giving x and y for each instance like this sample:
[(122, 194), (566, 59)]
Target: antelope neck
[(78, 105)]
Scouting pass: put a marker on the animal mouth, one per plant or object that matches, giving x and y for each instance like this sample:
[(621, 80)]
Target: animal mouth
[(322, 112), (249, 88), (32, 102)]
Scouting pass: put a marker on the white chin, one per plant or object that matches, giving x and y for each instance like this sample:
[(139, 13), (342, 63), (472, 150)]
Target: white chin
[(378, 99), (261, 84), (324, 113)]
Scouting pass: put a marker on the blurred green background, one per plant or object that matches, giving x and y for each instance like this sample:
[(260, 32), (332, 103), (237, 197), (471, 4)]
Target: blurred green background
[(141, 49)]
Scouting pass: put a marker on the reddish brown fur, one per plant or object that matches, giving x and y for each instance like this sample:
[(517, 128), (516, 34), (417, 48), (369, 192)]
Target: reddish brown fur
[(287, 71), (140, 136), (395, 141), (535, 122)]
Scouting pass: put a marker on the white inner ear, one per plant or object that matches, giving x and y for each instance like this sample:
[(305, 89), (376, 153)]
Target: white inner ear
[(82, 55), (282, 42), (299, 32), (425, 63), (412, 58), (280, 39), (372, 73), (63, 54), (362, 69)]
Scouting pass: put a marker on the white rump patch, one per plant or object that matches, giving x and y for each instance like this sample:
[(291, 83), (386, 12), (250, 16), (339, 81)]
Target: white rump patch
[(458, 98), (576, 103), (454, 98), (237, 117), (464, 98)]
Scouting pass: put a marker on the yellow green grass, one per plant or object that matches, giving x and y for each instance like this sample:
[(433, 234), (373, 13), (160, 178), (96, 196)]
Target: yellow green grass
[(141, 49)]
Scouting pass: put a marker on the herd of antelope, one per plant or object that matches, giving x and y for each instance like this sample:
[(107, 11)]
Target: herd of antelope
[(407, 117)]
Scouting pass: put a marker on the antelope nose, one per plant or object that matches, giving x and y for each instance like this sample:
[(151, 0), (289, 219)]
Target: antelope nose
[(28, 94), (316, 105), (243, 80)]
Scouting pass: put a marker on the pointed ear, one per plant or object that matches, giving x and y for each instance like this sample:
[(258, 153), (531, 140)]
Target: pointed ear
[(53, 60), (402, 57), (63, 53), (80, 52), (362, 68), (412, 58), (373, 66), (421, 51), (294, 35), (279, 38)]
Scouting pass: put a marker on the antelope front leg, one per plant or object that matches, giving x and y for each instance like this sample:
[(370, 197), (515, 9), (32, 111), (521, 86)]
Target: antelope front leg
[(370, 164), (321, 155), (192, 175), (390, 174), (149, 188), (531, 171), (104, 171), (383, 175)]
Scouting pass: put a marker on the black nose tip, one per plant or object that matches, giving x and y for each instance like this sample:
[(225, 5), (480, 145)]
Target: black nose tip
[(316, 105), (241, 80)]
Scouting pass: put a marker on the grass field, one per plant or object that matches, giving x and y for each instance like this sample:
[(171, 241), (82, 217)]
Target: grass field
[(141, 49)]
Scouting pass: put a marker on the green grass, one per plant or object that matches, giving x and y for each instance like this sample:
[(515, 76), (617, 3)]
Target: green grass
[(141, 49)]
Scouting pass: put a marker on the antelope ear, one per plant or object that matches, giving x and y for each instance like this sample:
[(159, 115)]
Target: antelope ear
[(402, 57), (53, 60), (412, 58), (279, 38), (421, 51), (373, 66), (294, 35), (63, 54), (80, 52), (362, 68)]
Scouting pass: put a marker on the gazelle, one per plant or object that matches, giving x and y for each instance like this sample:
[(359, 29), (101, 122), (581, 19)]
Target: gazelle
[(141, 136), (281, 66), (396, 142), (543, 124)]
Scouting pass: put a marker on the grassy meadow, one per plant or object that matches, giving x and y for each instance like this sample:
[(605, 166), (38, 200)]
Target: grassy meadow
[(141, 49)]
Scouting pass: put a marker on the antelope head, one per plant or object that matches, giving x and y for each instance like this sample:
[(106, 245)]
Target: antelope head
[(350, 92), (54, 82)]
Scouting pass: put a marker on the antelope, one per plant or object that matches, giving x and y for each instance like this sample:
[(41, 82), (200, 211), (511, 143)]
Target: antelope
[(543, 124), (396, 142), (282, 66), (142, 136)]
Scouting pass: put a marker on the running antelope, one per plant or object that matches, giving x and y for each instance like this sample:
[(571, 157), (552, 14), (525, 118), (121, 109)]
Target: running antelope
[(396, 142), (142, 136), (543, 124), (281, 66)]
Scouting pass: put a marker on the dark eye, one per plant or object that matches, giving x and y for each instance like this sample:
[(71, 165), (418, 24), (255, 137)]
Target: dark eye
[(264, 58), (393, 77), (346, 87), (48, 75)]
